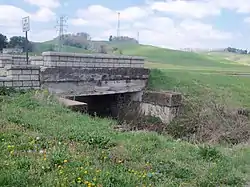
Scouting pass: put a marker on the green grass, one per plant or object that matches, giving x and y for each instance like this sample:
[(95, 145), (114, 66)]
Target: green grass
[(232, 89), (81, 149), (177, 58)]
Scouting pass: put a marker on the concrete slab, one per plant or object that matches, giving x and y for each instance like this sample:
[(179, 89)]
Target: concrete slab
[(70, 103)]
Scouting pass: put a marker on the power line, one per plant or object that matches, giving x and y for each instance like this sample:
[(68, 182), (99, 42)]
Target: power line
[(60, 27)]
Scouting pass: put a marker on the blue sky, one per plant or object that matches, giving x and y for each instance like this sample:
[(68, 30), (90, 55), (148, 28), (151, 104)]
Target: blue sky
[(168, 23)]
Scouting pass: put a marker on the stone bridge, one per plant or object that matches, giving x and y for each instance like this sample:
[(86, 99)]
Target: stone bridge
[(99, 80)]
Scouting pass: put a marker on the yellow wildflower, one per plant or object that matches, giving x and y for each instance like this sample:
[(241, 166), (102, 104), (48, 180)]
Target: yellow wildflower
[(85, 172), (65, 161), (86, 182)]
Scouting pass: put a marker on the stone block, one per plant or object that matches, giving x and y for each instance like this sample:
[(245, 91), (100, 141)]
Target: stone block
[(105, 60), (98, 60), (24, 77), (170, 99), (71, 59), (111, 60), (34, 77), (17, 83), (14, 77), (69, 64), (61, 63), (26, 72), (8, 84), (35, 72), (14, 72), (35, 83), (27, 83)]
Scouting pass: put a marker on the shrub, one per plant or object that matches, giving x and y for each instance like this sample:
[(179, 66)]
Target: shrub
[(210, 121)]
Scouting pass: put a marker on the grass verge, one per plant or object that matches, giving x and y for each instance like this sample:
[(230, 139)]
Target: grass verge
[(44, 144)]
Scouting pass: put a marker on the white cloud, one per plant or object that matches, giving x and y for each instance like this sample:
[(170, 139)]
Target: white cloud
[(44, 3), (11, 21), (199, 8), (11, 16), (95, 13), (43, 15), (154, 29), (247, 20), (196, 9)]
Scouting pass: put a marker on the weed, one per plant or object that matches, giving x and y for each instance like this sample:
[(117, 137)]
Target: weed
[(209, 153)]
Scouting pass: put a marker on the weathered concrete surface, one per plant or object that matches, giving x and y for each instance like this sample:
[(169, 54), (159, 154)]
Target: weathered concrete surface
[(73, 105), (72, 81), (170, 99), (164, 105)]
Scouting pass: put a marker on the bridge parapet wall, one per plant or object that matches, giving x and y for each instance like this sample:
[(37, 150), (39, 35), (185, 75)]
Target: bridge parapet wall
[(59, 59), (7, 59), (21, 77)]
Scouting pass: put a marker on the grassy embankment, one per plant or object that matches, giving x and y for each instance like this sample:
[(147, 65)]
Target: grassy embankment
[(87, 151), (81, 150)]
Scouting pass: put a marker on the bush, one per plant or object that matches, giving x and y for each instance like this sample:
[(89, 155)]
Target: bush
[(209, 121)]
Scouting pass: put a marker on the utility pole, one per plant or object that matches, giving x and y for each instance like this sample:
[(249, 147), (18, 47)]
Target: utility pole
[(118, 25), (61, 24), (138, 36)]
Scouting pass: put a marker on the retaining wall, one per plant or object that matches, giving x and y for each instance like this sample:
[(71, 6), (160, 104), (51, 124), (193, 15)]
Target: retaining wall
[(21, 77)]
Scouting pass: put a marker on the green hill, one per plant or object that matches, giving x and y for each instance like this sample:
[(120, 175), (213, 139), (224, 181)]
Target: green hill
[(158, 57)]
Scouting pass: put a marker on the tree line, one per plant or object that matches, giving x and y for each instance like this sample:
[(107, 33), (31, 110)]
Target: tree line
[(14, 42), (238, 51)]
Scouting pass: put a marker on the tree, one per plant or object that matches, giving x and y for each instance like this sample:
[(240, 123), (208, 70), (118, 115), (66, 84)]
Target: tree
[(19, 41), (80, 40), (110, 38), (3, 41)]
